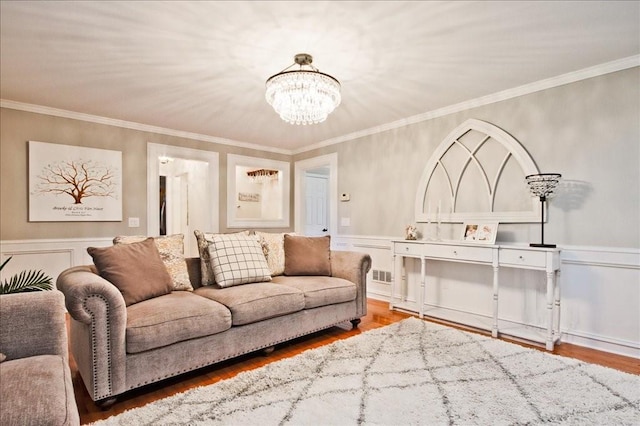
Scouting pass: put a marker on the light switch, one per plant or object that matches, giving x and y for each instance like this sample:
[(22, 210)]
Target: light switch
[(134, 222)]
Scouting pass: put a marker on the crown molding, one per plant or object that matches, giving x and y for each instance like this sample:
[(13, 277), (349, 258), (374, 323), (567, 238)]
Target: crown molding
[(39, 109), (572, 77)]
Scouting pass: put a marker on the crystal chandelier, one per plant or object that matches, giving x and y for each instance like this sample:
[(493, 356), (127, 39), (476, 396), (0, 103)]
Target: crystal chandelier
[(262, 175), (303, 96)]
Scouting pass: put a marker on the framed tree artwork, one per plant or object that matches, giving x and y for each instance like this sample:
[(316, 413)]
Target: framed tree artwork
[(74, 183)]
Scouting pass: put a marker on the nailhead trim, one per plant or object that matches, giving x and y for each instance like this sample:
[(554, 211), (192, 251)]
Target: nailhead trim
[(93, 347), (166, 376)]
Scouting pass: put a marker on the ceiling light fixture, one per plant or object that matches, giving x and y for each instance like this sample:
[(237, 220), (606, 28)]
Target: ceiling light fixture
[(262, 175), (303, 96)]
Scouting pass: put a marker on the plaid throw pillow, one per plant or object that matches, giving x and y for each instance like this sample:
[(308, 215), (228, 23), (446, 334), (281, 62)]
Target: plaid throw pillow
[(237, 259), (206, 270)]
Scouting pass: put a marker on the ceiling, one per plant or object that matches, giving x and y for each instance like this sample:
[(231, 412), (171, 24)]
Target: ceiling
[(200, 67)]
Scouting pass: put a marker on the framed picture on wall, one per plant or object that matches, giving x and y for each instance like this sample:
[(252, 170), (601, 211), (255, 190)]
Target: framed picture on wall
[(74, 183), (481, 233)]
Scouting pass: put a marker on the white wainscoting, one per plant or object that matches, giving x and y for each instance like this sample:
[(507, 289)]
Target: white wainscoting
[(600, 288), (600, 285), (51, 256)]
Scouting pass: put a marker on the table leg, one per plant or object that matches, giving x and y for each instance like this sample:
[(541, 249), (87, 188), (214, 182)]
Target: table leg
[(550, 302), (556, 327), (423, 273), (494, 330), (396, 276)]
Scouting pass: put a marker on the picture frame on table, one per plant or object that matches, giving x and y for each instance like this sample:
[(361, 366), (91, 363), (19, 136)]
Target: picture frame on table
[(479, 232)]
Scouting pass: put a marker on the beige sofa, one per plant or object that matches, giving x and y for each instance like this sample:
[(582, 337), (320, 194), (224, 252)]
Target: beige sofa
[(35, 380), (118, 348)]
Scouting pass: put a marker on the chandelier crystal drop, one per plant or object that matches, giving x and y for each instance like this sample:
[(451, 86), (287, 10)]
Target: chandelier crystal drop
[(304, 96)]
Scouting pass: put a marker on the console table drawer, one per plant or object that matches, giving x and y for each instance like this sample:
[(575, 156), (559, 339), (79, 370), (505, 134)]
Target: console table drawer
[(461, 253), (408, 249), (526, 258)]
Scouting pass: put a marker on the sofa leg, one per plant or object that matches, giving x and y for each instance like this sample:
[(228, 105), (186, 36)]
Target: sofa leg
[(355, 322), (107, 403), (268, 351)]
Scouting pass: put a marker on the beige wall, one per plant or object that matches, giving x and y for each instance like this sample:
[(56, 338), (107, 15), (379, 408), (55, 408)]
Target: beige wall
[(18, 127), (589, 131)]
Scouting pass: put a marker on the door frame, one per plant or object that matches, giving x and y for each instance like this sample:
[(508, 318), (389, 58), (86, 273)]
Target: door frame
[(154, 151), (325, 178), (300, 168)]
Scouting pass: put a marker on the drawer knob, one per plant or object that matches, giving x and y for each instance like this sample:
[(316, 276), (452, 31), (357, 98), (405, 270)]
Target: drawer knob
[(455, 253), (520, 257), (406, 248)]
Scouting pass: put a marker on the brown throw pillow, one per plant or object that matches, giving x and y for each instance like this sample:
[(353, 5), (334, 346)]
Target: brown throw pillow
[(171, 249), (307, 255), (136, 269)]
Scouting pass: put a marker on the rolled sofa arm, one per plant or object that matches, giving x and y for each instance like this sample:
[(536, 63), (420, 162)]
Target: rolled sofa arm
[(98, 330), (32, 324), (353, 266)]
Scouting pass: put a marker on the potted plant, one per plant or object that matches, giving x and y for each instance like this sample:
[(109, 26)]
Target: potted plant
[(25, 281)]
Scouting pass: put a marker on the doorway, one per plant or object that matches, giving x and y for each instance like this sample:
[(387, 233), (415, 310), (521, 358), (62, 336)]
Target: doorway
[(316, 184), (182, 193), (316, 195)]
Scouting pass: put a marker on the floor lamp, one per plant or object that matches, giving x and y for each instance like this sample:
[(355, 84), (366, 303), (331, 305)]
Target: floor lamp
[(543, 186)]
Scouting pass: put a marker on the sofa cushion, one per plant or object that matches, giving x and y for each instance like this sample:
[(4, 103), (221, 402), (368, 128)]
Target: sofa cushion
[(307, 255), (173, 318), (204, 239), (238, 259), (255, 302), (171, 249), (37, 390), (136, 269), (320, 291), (273, 248)]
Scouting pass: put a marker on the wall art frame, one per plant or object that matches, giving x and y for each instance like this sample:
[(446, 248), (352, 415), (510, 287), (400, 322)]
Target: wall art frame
[(445, 176), (74, 183), (257, 205)]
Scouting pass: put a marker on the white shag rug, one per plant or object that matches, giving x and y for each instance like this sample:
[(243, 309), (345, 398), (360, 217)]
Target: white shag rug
[(408, 373)]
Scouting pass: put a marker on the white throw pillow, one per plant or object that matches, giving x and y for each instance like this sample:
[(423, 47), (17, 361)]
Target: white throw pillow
[(237, 259), (273, 248)]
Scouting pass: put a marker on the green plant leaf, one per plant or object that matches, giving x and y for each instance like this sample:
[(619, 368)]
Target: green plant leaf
[(26, 281)]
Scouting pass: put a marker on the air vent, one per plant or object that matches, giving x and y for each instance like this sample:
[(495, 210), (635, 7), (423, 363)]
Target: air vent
[(382, 276)]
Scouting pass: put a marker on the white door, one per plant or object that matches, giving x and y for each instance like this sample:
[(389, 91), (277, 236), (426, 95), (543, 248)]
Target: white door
[(199, 200), (327, 167), (316, 205), (186, 186)]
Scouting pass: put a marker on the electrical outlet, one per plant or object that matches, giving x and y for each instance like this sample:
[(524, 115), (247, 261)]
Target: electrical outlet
[(134, 222)]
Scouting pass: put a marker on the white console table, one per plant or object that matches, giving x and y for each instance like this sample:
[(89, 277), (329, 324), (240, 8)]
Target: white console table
[(496, 256)]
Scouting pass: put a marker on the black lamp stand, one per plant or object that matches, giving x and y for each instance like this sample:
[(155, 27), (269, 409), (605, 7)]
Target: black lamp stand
[(543, 185), (542, 244)]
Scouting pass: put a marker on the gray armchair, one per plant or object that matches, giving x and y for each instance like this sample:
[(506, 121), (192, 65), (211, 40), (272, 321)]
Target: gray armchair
[(35, 380)]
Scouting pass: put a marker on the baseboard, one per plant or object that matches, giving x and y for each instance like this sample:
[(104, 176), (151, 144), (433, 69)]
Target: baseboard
[(587, 340)]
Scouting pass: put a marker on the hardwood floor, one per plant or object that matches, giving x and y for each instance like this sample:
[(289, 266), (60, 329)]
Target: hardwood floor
[(378, 316)]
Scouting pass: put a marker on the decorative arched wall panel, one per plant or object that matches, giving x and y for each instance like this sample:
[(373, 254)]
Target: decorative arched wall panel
[(477, 173)]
